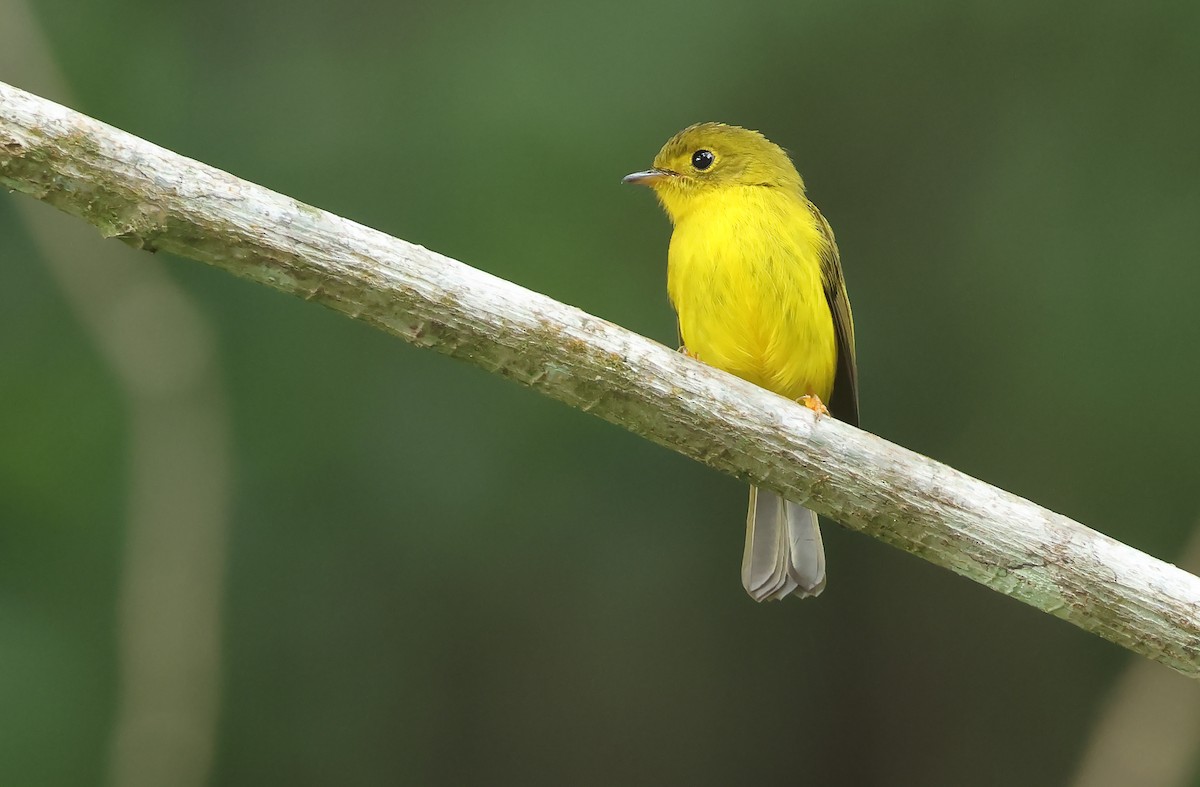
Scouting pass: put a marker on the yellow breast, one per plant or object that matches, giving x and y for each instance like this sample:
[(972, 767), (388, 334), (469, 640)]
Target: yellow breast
[(744, 275)]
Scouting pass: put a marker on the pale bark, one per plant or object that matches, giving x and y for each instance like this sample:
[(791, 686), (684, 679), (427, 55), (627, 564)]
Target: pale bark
[(154, 199)]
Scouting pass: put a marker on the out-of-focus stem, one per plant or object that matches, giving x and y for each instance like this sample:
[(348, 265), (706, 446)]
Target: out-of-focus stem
[(1148, 733), (161, 352)]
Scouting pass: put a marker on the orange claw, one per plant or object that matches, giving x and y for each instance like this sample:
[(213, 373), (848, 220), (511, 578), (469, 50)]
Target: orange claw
[(683, 349), (814, 403)]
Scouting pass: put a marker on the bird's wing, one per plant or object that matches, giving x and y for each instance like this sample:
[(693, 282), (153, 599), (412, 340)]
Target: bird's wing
[(844, 402)]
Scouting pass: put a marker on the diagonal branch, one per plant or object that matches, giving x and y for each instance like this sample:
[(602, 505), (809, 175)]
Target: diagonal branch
[(154, 199)]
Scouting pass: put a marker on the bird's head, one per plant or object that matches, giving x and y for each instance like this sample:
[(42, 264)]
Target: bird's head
[(712, 156)]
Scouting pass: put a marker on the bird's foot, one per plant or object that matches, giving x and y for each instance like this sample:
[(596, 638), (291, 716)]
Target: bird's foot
[(683, 349), (814, 403)]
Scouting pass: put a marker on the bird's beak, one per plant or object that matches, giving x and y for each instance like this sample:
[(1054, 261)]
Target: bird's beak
[(648, 177)]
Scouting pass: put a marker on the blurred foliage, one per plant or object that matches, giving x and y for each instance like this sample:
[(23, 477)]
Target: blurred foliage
[(437, 577)]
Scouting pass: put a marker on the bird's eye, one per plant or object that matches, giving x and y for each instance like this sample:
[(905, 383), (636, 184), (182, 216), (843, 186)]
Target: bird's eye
[(702, 159)]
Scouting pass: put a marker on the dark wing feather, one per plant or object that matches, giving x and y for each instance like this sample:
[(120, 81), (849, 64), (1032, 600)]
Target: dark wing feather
[(844, 402)]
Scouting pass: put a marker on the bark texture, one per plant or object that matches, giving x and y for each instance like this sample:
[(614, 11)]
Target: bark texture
[(154, 199)]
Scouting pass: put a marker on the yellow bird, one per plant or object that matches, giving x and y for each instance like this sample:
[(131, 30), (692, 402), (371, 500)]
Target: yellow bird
[(754, 276)]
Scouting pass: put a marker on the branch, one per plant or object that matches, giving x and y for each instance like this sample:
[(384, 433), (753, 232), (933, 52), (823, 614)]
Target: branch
[(154, 199)]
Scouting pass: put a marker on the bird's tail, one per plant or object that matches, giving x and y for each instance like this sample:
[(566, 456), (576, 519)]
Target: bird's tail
[(783, 554)]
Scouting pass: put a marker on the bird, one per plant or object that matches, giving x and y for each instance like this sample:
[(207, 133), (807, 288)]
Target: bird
[(755, 279)]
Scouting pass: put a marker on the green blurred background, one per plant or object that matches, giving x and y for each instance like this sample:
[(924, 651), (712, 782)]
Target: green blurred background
[(433, 576)]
